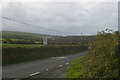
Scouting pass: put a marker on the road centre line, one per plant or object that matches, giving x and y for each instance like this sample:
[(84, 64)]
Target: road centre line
[(67, 63), (35, 74), (47, 69), (60, 65)]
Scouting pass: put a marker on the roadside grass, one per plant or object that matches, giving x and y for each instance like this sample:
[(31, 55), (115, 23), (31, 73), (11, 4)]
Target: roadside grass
[(76, 69), (12, 55)]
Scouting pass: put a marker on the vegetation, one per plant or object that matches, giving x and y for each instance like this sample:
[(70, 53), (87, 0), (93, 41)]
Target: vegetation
[(13, 37), (12, 55), (76, 69), (20, 41), (21, 45), (21, 35), (103, 57)]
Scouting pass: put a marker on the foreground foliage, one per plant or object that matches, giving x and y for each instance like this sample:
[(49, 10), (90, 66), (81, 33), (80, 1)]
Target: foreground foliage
[(103, 58)]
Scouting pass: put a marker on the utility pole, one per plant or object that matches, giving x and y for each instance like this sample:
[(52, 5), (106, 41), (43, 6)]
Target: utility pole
[(81, 37), (90, 36)]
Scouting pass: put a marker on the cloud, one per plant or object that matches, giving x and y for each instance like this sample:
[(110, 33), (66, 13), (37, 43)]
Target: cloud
[(68, 17), (60, 0)]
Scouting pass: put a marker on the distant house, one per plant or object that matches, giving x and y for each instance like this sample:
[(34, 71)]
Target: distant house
[(45, 40)]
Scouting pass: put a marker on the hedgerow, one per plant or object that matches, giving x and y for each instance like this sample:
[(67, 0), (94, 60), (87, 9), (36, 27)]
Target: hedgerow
[(13, 55), (103, 57)]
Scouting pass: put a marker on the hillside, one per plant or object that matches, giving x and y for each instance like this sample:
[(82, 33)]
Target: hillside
[(51, 38), (22, 35)]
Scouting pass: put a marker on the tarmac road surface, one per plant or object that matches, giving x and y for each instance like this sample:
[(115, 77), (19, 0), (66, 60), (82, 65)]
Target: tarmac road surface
[(54, 67)]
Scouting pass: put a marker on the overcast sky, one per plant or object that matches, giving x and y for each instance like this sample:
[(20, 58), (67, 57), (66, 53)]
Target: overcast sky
[(64, 18)]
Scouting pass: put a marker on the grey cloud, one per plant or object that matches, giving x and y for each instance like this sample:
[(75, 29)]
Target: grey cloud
[(65, 17)]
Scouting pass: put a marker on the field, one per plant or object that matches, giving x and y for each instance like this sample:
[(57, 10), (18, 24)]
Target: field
[(32, 38), (21, 45), (19, 41), (21, 35), (102, 60)]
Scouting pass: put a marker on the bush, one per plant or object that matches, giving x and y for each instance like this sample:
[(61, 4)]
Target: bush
[(103, 57)]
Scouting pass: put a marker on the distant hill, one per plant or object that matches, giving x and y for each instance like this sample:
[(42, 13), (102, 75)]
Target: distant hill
[(22, 35), (72, 39), (52, 38)]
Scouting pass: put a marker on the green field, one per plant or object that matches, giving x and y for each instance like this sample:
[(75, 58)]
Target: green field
[(21, 35), (14, 36), (22, 45), (19, 41), (34, 45)]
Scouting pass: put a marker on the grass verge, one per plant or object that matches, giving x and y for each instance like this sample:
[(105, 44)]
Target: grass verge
[(76, 69)]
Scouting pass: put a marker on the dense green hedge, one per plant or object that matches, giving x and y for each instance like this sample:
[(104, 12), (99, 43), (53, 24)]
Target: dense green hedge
[(103, 57), (19, 54), (102, 61)]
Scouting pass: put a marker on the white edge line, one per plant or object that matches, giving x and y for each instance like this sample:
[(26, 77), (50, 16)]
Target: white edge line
[(67, 63), (60, 65), (17, 78), (47, 69), (34, 73)]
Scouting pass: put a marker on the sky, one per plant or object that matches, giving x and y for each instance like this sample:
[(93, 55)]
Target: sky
[(60, 18)]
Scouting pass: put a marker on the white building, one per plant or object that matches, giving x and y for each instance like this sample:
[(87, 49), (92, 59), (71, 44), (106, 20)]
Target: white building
[(45, 40)]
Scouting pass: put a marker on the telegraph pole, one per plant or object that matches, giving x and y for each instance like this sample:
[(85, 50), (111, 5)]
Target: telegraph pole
[(81, 37)]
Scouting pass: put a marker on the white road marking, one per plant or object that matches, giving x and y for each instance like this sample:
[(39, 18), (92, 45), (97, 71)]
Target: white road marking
[(67, 63), (47, 69), (17, 79), (53, 57), (34, 73), (60, 65), (58, 57), (61, 57)]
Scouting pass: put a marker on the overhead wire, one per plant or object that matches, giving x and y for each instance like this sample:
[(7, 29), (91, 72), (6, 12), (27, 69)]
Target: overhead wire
[(34, 25)]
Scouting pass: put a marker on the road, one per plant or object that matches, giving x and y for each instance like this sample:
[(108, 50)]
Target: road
[(54, 67)]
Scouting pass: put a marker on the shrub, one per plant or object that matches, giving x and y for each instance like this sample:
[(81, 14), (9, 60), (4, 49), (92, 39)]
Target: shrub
[(103, 56)]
